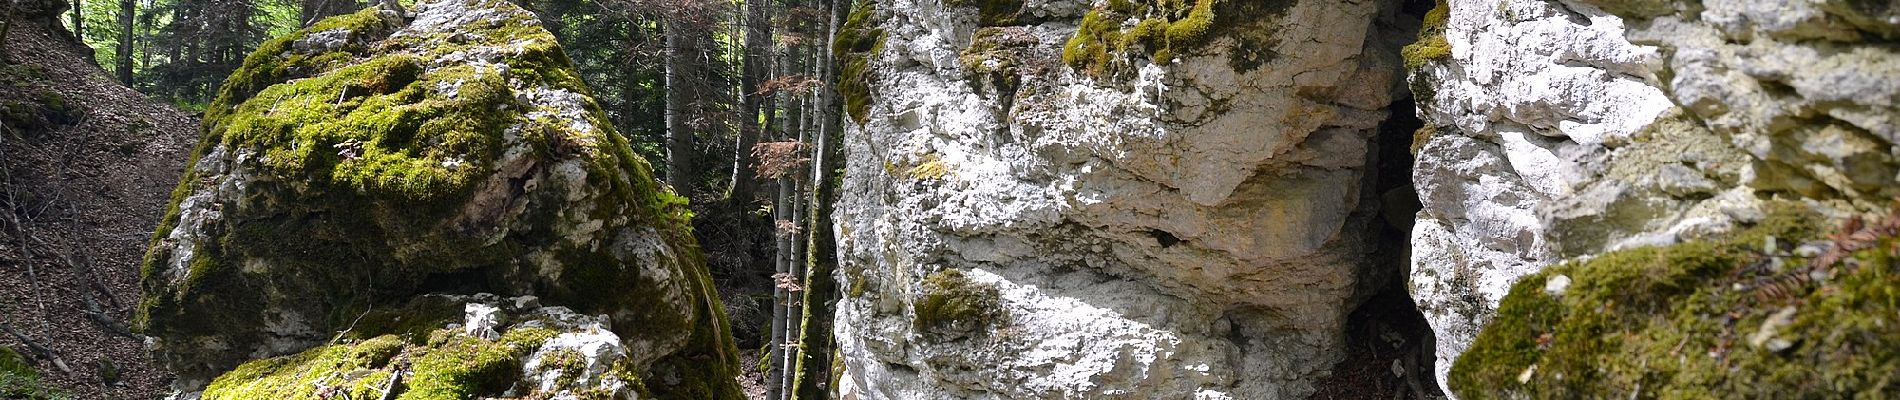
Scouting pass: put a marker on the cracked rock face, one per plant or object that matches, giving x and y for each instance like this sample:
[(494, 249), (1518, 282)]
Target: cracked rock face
[(1566, 129), (1014, 227), (367, 160)]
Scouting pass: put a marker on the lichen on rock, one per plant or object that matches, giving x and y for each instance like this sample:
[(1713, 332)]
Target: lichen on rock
[(352, 166)]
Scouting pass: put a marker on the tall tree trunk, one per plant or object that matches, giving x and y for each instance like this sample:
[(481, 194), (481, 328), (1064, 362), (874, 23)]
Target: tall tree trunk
[(781, 298), (680, 49), (122, 64), (815, 339), (758, 50)]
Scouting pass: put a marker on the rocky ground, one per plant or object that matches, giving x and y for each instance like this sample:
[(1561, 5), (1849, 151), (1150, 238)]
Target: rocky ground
[(80, 189)]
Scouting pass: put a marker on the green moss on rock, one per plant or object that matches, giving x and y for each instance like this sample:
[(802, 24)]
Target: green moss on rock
[(448, 366), (1431, 44), (929, 167), (858, 43), (994, 56), (952, 301), (1740, 317), (359, 370), (1112, 37)]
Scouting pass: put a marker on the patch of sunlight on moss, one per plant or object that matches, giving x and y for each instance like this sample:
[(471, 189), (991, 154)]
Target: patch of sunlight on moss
[(359, 370), (449, 365), (1675, 322), (1431, 44)]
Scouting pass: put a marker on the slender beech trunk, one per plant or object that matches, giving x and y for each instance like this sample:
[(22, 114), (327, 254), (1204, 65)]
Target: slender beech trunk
[(797, 270), (123, 62), (781, 298), (815, 338)]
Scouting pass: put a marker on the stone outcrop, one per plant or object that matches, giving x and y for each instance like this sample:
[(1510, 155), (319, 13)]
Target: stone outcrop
[(349, 168), (1559, 130), (1076, 199)]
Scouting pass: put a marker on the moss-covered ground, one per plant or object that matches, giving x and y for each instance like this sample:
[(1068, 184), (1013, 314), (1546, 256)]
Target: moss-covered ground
[(29, 104), (1755, 315), (19, 381)]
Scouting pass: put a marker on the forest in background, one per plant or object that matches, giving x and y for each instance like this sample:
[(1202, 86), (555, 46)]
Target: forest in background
[(729, 98)]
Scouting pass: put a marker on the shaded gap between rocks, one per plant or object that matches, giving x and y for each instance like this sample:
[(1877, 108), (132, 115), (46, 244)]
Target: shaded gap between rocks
[(1389, 346)]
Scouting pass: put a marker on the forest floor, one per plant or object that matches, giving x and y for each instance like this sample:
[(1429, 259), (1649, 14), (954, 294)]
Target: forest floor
[(81, 187)]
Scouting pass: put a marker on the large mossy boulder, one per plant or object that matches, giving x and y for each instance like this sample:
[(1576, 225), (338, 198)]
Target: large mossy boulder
[(356, 165)]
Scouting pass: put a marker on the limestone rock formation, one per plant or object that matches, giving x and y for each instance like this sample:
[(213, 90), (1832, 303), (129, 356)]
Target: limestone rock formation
[(370, 159), (1559, 130), (1077, 199)]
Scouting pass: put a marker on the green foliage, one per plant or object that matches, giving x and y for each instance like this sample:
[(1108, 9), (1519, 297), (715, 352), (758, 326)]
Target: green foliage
[(1690, 321), (951, 301)]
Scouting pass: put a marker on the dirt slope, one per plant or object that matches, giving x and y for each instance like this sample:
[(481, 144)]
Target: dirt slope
[(86, 166)]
